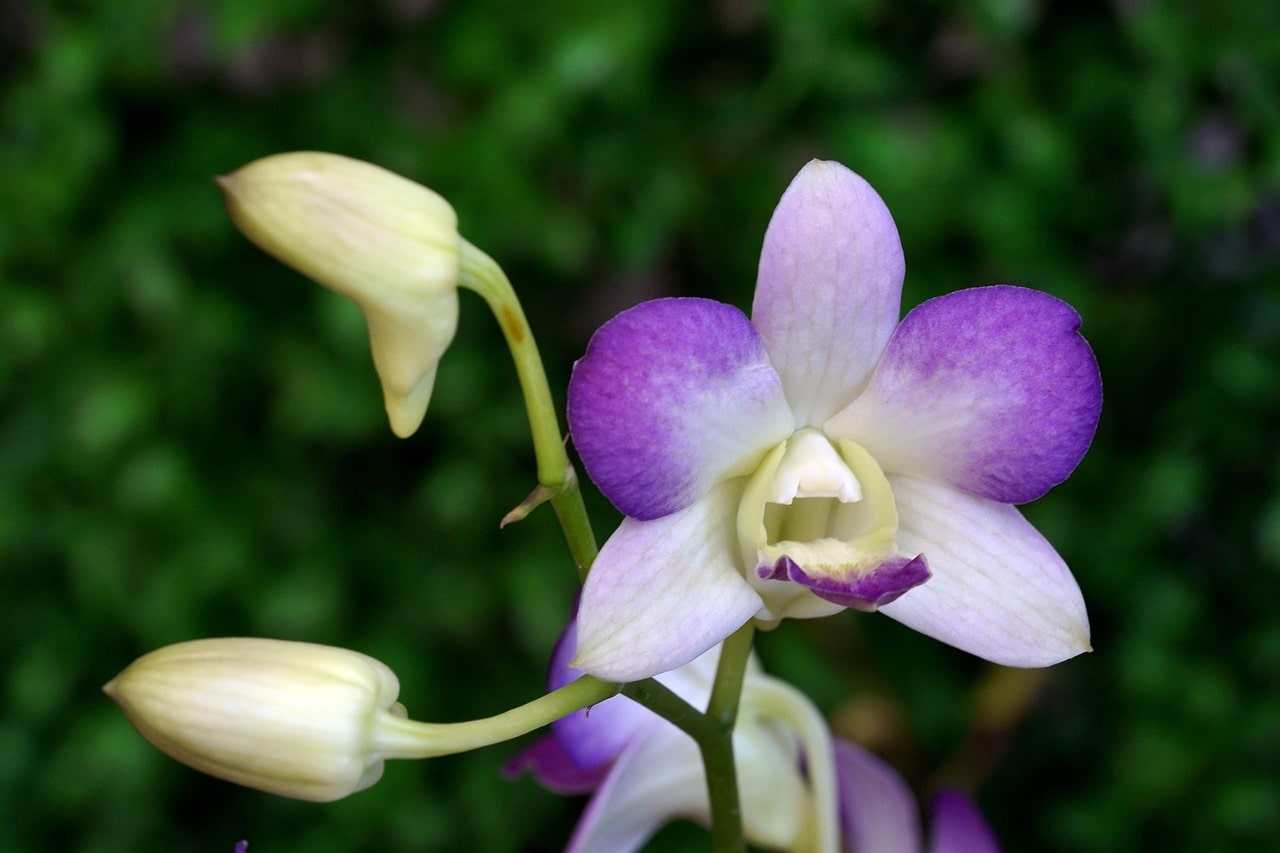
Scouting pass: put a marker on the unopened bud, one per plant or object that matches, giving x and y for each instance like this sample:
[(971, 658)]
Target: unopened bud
[(296, 719), (389, 244)]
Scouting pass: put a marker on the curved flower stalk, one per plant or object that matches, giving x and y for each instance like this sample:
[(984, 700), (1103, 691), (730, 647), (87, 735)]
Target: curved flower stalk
[(301, 720), (390, 245), (645, 772), (823, 455)]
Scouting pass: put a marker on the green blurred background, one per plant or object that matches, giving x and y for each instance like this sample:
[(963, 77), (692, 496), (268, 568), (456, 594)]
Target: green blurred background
[(193, 444)]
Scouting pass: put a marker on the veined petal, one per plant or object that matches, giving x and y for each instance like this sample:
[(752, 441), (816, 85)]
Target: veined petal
[(959, 827), (673, 396), (877, 810), (992, 390), (998, 590), (662, 592), (829, 288), (657, 779)]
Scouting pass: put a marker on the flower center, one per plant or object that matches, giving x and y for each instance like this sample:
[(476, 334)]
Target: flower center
[(823, 515)]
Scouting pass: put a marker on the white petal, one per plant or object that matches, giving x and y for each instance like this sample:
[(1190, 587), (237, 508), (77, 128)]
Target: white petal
[(829, 288), (999, 590), (657, 779), (662, 592)]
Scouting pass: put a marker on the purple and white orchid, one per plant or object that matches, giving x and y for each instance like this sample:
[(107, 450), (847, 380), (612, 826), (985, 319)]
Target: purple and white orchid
[(823, 455), (800, 789), (645, 772)]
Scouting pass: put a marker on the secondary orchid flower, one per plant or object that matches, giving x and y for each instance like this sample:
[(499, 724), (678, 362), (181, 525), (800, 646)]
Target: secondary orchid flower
[(822, 455), (800, 789), (645, 772)]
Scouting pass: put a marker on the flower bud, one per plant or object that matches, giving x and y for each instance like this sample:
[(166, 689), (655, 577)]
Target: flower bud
[(295, 719), (389, 244)]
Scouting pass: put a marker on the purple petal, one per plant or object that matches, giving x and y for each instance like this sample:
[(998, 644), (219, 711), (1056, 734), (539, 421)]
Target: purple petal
[(554, 768), (673, 396), (594, 736), (829, 288), (959, 827), (877, 810), (597, 735), (889, 580), (998, 589), (992, 390), (663, 592)]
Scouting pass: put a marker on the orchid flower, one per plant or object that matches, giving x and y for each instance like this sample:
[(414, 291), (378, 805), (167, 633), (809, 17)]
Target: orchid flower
[(800, 789), (821, 455)]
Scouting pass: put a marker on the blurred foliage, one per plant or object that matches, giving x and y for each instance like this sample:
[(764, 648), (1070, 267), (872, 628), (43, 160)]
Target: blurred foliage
[(192, 441)]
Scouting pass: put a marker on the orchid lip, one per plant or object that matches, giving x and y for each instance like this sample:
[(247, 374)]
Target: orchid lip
[(866, 592)]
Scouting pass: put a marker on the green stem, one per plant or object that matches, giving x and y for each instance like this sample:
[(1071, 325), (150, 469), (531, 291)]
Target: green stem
[(558, 482), (713, 732), (730, 672), (715, 742), (397, 737), (717, 756), (556, 476), (572, 514), (663, 701), (722, 791)]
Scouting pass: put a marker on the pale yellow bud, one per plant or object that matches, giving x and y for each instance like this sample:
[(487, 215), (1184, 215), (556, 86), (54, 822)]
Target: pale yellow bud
[(389, 244), (296, 719)]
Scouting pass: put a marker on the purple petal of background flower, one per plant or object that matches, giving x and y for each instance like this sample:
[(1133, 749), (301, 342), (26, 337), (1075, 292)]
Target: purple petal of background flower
[(992, 390), (877, 810), (959, 827), (554, 768), (671, 395), (593, 736), (891, 579), (829, 289)]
